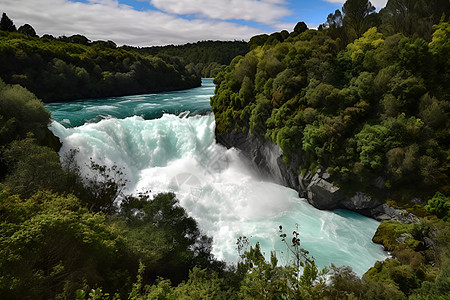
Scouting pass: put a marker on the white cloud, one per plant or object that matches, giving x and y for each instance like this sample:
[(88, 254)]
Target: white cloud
[(377, 3), (289, 26), (262, 11), (109, 20)]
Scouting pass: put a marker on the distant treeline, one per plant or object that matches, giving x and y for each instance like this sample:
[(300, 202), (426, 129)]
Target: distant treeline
[(204, 58), (377, 105), (67, 68)]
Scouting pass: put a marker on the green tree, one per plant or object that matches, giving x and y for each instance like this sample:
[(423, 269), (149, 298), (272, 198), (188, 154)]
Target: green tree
[(167, 240), (257, 40), (201, 285), (51, 246), (22, 112), (440, 47), (371, 141), (6, 24), (300, 27), (413, 16), (440, 206), (263, 280), (32, 167), (334, 20), (27, 29), (355, 15)]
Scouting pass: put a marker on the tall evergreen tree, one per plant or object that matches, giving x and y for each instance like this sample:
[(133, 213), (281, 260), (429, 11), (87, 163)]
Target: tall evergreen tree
[(413, 16), (355, 15), (6, 24), (334, 20)]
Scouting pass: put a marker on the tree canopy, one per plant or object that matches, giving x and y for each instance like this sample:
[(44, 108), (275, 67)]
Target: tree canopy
[(363, 109), (366, 108), (204, 58), (6, 24)]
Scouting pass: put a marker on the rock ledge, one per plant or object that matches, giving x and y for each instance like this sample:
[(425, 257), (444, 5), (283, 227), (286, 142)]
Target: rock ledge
[(266, 157)]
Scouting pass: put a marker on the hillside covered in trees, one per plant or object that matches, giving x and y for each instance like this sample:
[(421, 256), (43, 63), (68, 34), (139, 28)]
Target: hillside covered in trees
[(361, 96), (204, 58), (62, 237), (67, 68), (73, 67), (366, 96)]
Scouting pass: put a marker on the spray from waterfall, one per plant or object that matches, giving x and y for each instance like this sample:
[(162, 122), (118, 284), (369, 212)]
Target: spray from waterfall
[(217, 188)]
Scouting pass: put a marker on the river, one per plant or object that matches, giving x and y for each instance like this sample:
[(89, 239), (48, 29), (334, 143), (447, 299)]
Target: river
[(165, 142)]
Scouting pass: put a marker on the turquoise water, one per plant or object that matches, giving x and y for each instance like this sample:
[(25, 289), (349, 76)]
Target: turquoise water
[(148, 106), (162, 151)]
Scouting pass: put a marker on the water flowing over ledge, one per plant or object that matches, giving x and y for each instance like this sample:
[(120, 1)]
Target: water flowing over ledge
[(218, 188)]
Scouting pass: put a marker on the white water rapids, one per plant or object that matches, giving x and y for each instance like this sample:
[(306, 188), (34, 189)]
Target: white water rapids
[(219, 190)]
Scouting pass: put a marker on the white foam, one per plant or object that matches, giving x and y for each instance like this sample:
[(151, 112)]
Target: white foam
[(216, 187)]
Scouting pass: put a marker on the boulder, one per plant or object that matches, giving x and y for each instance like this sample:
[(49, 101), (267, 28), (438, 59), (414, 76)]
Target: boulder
[(385, 212), (360, 201), (323, 194)]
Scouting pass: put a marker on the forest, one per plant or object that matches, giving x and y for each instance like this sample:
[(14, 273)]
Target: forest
[(366, 97), (68, 68), (73, 67), (365, 94), (205, 58)]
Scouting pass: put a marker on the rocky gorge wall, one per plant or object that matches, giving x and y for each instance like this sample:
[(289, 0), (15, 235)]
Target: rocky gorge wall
[(320, 192)]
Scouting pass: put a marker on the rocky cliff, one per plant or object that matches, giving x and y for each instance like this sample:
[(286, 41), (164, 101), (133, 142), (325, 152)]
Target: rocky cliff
[(320, 192)]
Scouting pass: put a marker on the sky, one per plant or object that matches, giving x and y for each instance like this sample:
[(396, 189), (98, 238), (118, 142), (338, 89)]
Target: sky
[(164, 22)]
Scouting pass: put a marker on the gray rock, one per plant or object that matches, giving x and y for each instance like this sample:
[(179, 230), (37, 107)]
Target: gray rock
[(266, 157), (323, 194), (304, 181), (360, 201), (429, 243), (385, 212), (325, 175), (418, 201), (401, 239), (379, 182)]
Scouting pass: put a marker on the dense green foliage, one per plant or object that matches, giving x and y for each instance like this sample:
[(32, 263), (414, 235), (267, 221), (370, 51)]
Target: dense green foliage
[(6, 24), (422, 252), (375, 103), (21, 113), (52, 244), (375, 106), (73, 67), (440, 206), (61, 232), (417, 274), (409, 17), (84, 245), (413, 16), (67, 68), (203, 58)]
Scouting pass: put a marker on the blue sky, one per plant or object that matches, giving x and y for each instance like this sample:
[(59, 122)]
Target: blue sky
[(162, 22)]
